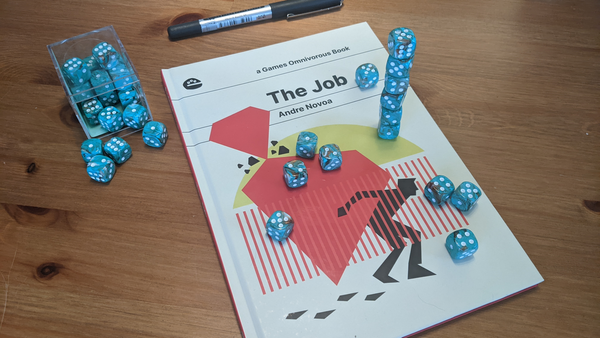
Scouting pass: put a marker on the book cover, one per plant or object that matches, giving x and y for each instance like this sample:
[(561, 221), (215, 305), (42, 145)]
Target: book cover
[(366, 257)]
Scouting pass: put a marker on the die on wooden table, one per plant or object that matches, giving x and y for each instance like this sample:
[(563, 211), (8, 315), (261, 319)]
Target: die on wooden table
[(101, 168), (155, 134), (461, 244), (117, 149), (330, 157), (306, 145), (465, 196), (439, 190), (91, 148), (279, 225), (366, 75), (295, 174)]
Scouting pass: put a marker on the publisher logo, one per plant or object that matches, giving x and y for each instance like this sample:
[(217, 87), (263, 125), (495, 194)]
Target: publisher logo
[(192, 83)]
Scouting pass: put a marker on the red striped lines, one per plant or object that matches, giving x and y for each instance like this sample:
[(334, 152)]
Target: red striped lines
[(281, 264)]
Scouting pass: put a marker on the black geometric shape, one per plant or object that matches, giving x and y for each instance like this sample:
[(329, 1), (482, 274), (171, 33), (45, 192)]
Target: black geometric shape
[(283, 150), (252, 160), (366, 194), (247, 171), (353, 200), (358, 195), (274, 143), (240, 165), (323, 315), (383, 272), (273, 152), (348, 206), (374, 296), (345, 298), (295, 315), (373, 193), (417, 271), (341, 212)]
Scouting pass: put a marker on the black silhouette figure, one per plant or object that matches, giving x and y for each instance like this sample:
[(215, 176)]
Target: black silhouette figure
[(382, 224)]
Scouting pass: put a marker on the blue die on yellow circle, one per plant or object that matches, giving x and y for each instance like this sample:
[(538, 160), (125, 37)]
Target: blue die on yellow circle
[(439, 189), (155, 134), (91, 148), (330, 157), (295, 174), (461, 244), (117, 149), (465, 196), (389, 124), (402, 43), (306, 145), (101, 168), (279, 225), (135, 116), (111, 118), (367, 75)]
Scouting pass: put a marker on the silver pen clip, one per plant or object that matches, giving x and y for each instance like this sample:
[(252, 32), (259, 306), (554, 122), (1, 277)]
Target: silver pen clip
[(292, 15)]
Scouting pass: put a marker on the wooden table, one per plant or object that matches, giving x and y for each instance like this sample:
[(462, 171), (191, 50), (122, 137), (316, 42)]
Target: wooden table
[(514, 85)]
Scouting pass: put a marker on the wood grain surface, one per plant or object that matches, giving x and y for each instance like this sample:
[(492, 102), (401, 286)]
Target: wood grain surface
[(514, 85)]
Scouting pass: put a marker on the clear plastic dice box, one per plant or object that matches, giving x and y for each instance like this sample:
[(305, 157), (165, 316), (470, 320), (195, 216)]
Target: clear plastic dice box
[(81, 47)]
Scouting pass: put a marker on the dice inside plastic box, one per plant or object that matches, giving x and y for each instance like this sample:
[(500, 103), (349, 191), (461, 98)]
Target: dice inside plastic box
[(96, 73)]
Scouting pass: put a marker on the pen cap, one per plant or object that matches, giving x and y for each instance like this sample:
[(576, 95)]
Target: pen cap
[(297, 7), (184, 30)]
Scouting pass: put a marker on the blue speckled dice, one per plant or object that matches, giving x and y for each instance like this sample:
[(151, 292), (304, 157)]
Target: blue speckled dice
[(391, 101), (83, 92), (279, 225), (402, 43), (101, 168), (398, 69), (461, 244), (306, 145), (91, 148), (465, 196), (155, 134), (135, 116), (439, 190), (330, 157), (128, 97), (91, 64), (367, 75), (122, 76), (117, 149), (395, 86), (295, 174), (389, 123), (91, 108), (104, 88), (76, 72), (106, 55), (111, 118)]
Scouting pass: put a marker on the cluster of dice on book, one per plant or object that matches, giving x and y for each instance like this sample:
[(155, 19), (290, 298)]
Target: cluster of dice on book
[(461, 243), (102, 158), (102, 83), (280, 224)]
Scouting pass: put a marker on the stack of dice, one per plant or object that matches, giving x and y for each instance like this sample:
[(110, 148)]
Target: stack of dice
[(401, 47), (102, 85)]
